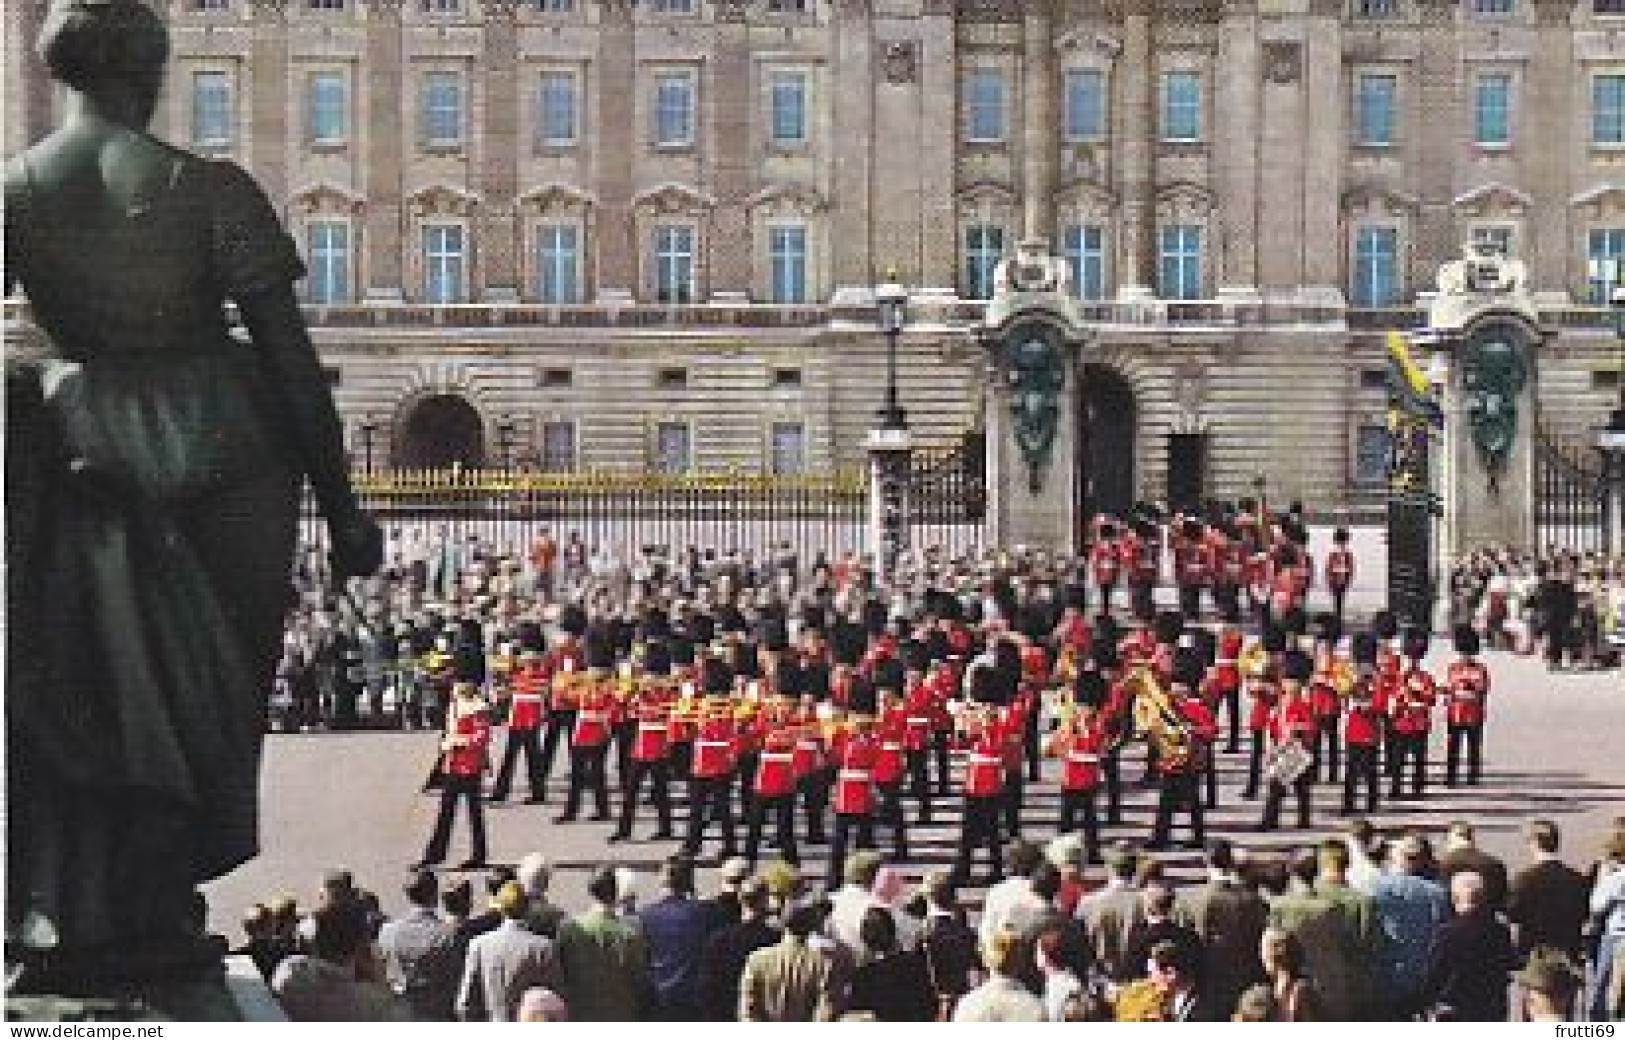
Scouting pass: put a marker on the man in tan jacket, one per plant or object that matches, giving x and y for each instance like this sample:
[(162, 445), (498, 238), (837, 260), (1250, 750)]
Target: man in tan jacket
[(790, 981)]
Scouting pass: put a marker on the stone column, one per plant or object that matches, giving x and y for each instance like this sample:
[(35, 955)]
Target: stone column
[(1477, 515), (731, 160), (1435, 152), (269, 107), (498, 169), (937, 94), (1137, 151), (387, 151), (1040, 131), (27, 86), (1323, 144), (1236, 145), (849, 98), (1546, 148), (615, 149)]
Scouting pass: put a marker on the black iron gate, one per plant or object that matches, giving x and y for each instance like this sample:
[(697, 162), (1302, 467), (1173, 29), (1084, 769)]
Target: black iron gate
[(1572, 500), (947, 495)]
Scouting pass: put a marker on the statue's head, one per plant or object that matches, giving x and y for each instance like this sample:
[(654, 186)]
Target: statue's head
[(111, 51)]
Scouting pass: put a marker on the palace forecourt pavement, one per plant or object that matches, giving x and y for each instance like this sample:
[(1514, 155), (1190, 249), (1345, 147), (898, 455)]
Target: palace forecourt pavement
[(1553, 749)]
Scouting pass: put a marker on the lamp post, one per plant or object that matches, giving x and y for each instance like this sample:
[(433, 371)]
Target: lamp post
[(1611, 438), (889, 442)]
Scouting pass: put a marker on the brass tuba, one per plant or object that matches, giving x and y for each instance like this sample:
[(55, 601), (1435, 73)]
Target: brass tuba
[(1158, 720)]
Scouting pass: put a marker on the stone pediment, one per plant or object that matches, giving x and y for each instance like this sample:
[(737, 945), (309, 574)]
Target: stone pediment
[(328, 197), (802, 198), (1600, 198), (671, 197), (558, 195), (444, 198), (1370, 193), (1494, 197), (1081, 39), (988, 191)]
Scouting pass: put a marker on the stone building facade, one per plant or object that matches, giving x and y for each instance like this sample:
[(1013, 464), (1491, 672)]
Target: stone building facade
[(603, 234)]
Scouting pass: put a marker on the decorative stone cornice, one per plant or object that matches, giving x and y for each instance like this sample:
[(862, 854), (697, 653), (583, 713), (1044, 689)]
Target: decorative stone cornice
[(443, 198), (556, 195), (1490, 198), (671, 197), (802, 197), (326, 197)]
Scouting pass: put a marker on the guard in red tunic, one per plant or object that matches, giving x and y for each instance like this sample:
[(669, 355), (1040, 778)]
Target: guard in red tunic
[(1291, 722), (815, 776), (564, 663), (1412, 712), (715, 749), (984, 794), (854, 750), (1187, 741), (1362, 727), (528, 684), (650, 755), (919, 709), (1145, 569), (590, 736), (1326, 685), (1339, 571), (1227, 563), (944, 682), (463, 762), (1079, 742), (891, 765), (1190, 568), (1106, 563), (775, 792), (1467, 683), (1221, 686), (1260, 684)]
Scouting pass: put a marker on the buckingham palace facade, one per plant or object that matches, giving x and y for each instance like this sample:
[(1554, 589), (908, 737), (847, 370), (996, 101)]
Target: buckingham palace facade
[(621, 235)]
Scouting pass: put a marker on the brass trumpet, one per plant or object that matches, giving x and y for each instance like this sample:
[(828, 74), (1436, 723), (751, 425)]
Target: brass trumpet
[(1157, 719)]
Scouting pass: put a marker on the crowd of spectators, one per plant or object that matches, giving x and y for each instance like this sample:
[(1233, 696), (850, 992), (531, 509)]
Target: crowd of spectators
[(1361, 927), (1568, 607)]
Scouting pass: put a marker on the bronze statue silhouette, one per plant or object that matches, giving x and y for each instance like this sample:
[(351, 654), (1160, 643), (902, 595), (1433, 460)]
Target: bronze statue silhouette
[(153, 478)]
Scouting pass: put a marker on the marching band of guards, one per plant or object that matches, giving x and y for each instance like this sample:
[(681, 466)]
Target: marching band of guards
[(838, 738)]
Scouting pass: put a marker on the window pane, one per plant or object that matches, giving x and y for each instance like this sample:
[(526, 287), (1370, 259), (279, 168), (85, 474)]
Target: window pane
[(1085, 105), (671, 448), (1491, 124), (1376, 267), (556, 108), (443, 263), (212, 122), (674, 100), (984, 246), (789, 119), (674, 264), (1084, 246), (1181, 106), (329, 107), (1605, 262), (1371, 455), (329, 249), (1374, 109), (1180, 262), (984, 105), (787, 264), (443, 108), (558, 447), (1608, 109), (557, 263)]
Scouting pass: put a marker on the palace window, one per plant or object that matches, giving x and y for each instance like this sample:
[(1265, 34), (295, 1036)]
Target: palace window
[(670, 6), (674, 263), (1376, 267), (555, 6), (1085, 105), (442, 6), (1371, 454), (982, 94), (1181, 106), (672, 450), (674, 109), (442, 110), (984, 247), (325, 5), (1608, 7), (787, 263), (1492, 105), (1084, 248), (558, 446), (1498, 237), (444, 263), (788, 108), (1374, 95), (1608, 109), (1179, 266), (328, 280), (558, 263), (1376, 8), (1605, 262), (213, 125), (329, 108), (787, 448), (556, 108), (1492, 7)]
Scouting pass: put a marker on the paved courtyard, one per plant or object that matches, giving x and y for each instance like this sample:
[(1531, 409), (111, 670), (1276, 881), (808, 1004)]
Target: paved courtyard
[(1553, 749)]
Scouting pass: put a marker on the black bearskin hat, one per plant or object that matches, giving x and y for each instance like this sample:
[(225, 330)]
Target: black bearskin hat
[(1167, 626), (1384, 625), (1274, 639), (1188, 666), (1363, 648), (1090, 688), (1297, 665), (1415, 643), (1466, 640)]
